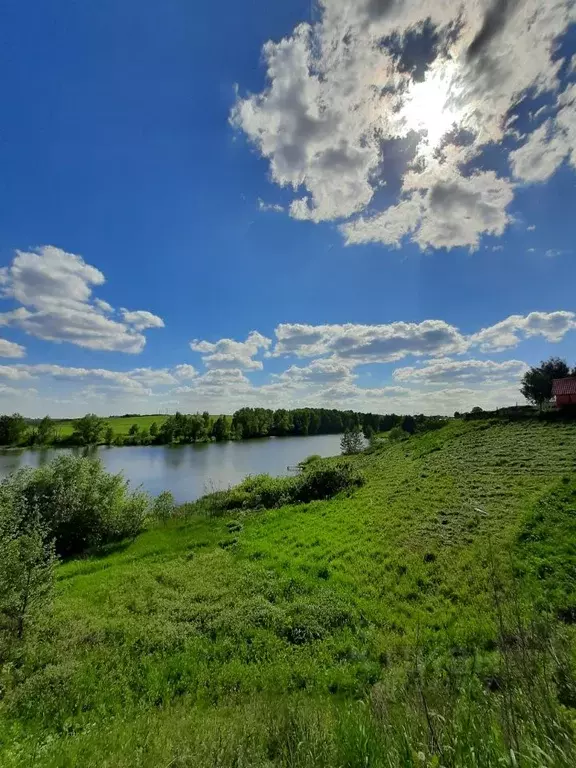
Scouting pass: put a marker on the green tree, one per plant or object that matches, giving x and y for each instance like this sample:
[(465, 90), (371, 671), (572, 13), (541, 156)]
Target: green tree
[(167, 432), (409, 424), (351, 441), (45, 431), (109, 435), (192, 428), (134, 430), (88, 430), (221, 430), (153, 430), (368, 431), (206, 420), (537, 382), (282, 423), (27, 560), (12, 429), (78, 504)]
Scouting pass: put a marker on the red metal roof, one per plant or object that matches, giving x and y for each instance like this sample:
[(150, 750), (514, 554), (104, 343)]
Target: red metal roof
[(564, 386)]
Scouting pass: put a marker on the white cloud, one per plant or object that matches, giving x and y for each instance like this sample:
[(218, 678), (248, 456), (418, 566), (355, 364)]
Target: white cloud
[(137, 380), (323, 371), (267, 207), (55, 288), (369, 343), (103, 305), (185, 372), (446, 210), (553, 326), (447, 371), (140, 320), (10, 349), (549, 145), (337, 91), (15, 373), (540, 156), (17, 393), (531, 228), (227, 353)]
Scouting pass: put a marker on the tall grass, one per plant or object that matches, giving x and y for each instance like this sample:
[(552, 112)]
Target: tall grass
[(388, 627)]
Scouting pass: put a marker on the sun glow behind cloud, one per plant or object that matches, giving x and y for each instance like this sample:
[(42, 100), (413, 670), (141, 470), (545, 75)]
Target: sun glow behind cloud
[(430, 105)]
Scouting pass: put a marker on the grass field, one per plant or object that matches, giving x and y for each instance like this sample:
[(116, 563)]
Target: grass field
[(398, 626), (120, 424)]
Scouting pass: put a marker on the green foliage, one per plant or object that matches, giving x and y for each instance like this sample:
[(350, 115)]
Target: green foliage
[(45, 431), (308, 461), (537, 382), (27, 559), (326, 481), (163, 508), (109, 435), (351, 441), (409, 424), (396, 434), (12, 429), (397, 627), (88, 430), (221, 429), (153, 430), (76, 502), (134, 430), (368, 431), (317, 481)]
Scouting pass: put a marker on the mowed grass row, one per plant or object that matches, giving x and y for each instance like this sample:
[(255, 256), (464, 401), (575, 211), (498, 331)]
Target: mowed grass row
[(306, 635)]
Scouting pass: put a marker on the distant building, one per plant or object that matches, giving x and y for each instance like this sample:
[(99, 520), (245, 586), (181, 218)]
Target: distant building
[(564, 390)]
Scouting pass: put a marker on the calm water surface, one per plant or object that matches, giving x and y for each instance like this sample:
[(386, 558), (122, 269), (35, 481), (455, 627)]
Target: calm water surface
[(188, 471)]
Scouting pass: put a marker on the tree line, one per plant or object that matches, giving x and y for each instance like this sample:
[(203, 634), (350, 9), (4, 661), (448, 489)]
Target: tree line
[(246, 423)]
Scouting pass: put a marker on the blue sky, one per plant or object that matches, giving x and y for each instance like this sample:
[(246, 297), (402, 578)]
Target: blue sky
[(361, 205)]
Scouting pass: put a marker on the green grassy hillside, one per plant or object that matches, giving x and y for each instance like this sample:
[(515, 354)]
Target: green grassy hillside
[(425, 620)]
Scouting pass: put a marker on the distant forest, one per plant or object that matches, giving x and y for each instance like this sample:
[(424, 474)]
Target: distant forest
[(244, 424)]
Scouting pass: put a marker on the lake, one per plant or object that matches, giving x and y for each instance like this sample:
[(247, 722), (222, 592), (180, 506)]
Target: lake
[(188, 471)]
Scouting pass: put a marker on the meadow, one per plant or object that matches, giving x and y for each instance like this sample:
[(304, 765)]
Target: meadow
[(426, 618), (120, 424)]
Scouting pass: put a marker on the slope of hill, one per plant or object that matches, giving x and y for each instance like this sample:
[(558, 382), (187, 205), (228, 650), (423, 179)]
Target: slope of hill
[(425, 620)]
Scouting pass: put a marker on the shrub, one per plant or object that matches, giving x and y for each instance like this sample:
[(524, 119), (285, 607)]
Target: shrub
[(351, 441), (308, 461), (78, 504), (396, 434), (325, 482), (269, 492), (163, 507), (263, 491), (27, 559)]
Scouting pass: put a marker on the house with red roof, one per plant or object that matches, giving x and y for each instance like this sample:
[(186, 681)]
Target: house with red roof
[(564, 390)]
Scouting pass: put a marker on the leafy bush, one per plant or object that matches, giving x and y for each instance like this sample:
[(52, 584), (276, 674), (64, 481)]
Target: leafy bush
[(308, 461), (27, 560), (396, 434), (78, 504), (263, 491), (164, 507), (352, 441), (326, 481)]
